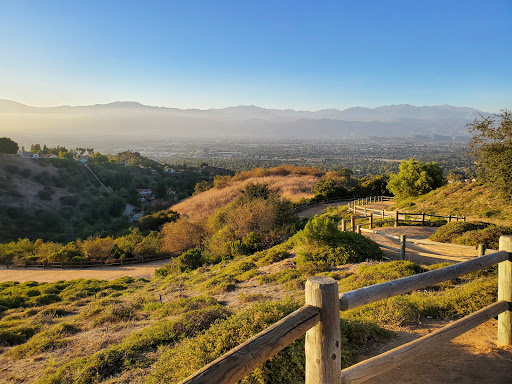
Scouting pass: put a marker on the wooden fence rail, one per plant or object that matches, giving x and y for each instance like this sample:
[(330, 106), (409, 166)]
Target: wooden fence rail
[(315, 203), (90, 263), (357, 206), (319, 319)]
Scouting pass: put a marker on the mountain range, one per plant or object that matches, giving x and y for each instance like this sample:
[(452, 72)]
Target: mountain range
[(134, 121)]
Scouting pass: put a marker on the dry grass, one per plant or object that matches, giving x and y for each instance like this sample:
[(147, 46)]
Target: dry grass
[(476, 201), (292, 187)]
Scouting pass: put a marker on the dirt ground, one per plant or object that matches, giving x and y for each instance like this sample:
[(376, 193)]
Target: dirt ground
[(470, 358), (146, 271)]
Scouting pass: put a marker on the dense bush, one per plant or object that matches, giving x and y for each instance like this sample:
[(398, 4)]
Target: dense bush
[(471, 233), (322, 245), (190, 260)]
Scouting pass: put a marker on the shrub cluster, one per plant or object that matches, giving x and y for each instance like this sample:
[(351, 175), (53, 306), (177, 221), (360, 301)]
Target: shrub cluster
[(471, 233)]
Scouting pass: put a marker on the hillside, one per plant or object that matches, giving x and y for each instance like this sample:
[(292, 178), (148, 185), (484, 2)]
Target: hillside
[(475, 200), (245, 268), (292, 187), (60, 200)]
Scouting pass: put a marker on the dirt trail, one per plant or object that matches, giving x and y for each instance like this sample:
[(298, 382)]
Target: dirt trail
[(470, 358), (107, 273)]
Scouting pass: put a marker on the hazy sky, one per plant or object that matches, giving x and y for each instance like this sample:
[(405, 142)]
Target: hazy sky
[(282, 54)]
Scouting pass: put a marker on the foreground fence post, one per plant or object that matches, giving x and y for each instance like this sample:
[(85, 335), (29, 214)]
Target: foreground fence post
[(505, 293), (481, 250), (343, 225), (402, 247), (323, 351), (371, 220)]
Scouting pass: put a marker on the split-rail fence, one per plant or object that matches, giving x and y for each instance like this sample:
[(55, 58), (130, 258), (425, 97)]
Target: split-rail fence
[(319, 320)]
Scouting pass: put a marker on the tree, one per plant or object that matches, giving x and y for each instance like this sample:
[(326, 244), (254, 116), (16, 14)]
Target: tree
[(492, 146), (415, 178), (329, 187), (8, 146)]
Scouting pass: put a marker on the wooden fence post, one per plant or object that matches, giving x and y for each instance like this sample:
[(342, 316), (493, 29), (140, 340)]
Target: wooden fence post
[(464, 218), (323, 352), (505, 293), (343, 225), (365, 214), (371, 220), (7, 264), (481, 250), (396, 219), (423, 219), (450, 218), (383, 213), (358, 229), (353, 223), (402, 247)]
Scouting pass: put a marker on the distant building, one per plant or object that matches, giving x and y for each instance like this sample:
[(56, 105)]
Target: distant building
[(145, 194), (29, 155)]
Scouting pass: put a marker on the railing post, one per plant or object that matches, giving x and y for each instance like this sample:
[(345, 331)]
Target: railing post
[(505, 293), (353, 223), (402, 247), (481, 250), (450, 218), (365, 214), (396, 219), (358, 229), (423, 219), (383, 214), (343, 225), (323, 351), (371, 220)]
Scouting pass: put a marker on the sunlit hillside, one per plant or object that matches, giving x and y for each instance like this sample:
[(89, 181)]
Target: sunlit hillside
[(475, 200), (293, 187)]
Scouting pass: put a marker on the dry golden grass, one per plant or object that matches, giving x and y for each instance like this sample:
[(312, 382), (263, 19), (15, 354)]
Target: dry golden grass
[(475, 200), (292, 187)]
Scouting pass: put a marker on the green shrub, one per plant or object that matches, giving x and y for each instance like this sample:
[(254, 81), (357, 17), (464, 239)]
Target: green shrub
[(15, 336), (448, 232), (52, 338), (471, 233), (338, 248), (190, 260)]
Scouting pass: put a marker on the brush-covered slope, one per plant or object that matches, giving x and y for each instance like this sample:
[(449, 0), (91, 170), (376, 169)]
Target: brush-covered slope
[(293, 183)]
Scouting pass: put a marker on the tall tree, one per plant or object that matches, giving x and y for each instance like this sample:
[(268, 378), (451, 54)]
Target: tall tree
[(415, 178), (8, 146), (492, 146)]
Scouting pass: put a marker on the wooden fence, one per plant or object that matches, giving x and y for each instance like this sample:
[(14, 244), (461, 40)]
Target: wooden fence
[(319, 319), (357, 206), (89, 263), (351, 200)]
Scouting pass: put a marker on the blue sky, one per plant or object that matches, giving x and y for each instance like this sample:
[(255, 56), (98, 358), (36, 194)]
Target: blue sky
[(280, 54)]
